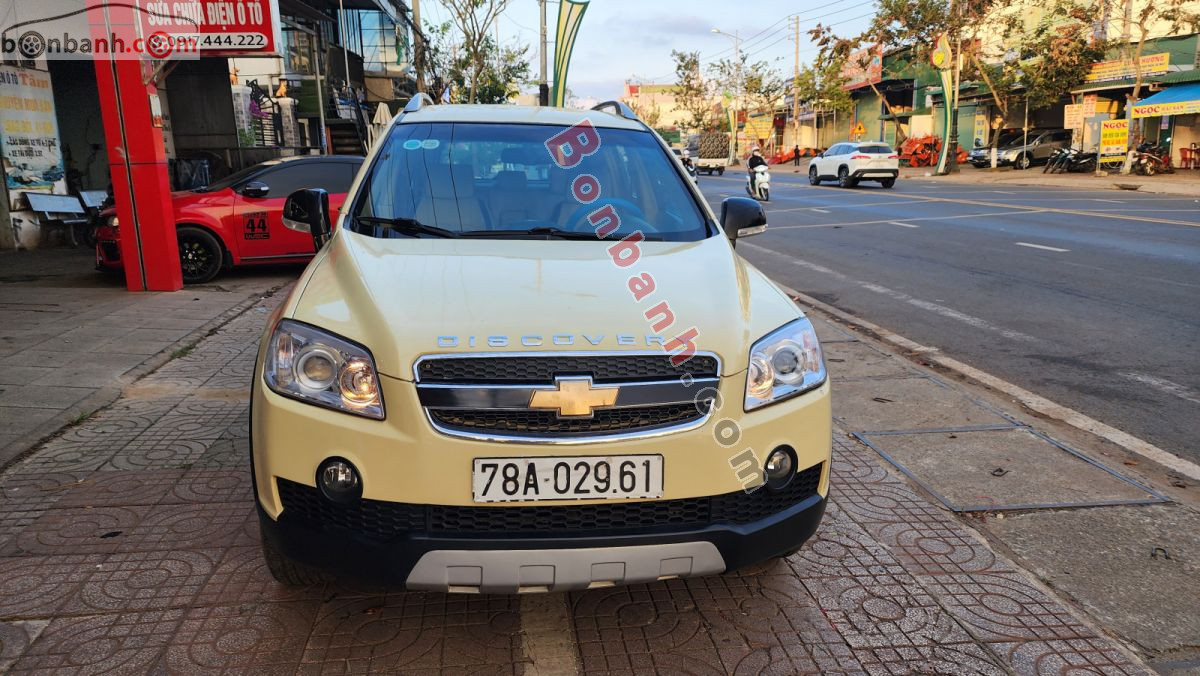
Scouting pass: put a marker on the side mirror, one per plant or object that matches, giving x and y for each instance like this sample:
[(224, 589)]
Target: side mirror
[(742, 217), (255, 189), (308, 211)]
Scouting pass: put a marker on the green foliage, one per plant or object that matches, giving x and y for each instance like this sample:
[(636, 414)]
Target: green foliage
[(503, 72), (821, 86), (759, 84), (692, 93)]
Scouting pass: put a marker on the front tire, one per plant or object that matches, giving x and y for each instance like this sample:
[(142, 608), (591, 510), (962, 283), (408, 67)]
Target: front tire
[(721, 171), (888, 182), (288, 572), (844, 179), (200, 255), (1023, 162), (766, 194), (813, 177)]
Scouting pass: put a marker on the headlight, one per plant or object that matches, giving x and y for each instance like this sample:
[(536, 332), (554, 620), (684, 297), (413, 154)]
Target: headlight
[(786, 362), (306, 363)]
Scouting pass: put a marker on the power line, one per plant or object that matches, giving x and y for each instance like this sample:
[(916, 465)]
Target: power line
[(746, 42)]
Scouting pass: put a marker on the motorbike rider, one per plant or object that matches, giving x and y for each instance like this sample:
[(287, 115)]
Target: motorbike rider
[(685, 156), (756, 160)]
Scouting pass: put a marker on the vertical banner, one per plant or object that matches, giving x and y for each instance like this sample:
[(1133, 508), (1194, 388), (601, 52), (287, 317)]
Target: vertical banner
[(570, 15), (942, 57), (29, 142), (1114, 139)]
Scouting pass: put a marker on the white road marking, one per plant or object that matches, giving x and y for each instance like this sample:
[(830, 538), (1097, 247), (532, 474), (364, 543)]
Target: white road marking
[(1043, 247), (820, 211), (1164, 385), (936, 308), (915, 218), (1110, 201), (1034, 402), (1005, 192), (904, 225)]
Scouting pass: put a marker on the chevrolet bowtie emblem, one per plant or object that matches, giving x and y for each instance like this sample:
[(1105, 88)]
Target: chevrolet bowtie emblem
[(574, 397)]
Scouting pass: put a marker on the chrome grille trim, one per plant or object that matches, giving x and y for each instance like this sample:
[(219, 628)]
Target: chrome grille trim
[(502, 398)]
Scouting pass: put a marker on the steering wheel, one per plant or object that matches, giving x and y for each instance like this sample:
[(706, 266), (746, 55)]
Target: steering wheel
[(624, 208)]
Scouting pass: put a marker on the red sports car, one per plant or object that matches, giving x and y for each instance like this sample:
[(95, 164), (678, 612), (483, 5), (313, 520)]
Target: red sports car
[(238, 220)]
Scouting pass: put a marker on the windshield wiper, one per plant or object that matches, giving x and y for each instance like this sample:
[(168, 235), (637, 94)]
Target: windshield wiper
[(407, 226), (543, 231)]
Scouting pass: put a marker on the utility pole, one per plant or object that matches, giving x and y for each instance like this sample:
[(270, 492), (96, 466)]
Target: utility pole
[(952, 97), (796, 87), (419, 45), (543, 83)]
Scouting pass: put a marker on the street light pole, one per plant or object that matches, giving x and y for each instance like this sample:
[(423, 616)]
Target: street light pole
[(543, 83), (739, 84)]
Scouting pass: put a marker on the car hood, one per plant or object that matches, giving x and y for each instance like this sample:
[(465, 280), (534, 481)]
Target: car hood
[(404, 298)]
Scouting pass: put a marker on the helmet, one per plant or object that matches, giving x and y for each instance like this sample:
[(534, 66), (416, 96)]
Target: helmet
[(756, 151), (685, 154)]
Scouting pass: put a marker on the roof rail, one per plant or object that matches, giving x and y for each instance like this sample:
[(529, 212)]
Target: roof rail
[(618, 108), (417, 102)]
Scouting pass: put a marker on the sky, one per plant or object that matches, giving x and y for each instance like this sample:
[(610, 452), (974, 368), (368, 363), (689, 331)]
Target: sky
[(623, 40)]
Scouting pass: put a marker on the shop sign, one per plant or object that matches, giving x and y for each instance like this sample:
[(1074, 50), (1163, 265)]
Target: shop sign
[(1089, 106), (1114, 137), (214, 28), (1073, 116), (30, 147), (863, 68), (981, 130), (1151, 64), (1164, 109), (760, 126)]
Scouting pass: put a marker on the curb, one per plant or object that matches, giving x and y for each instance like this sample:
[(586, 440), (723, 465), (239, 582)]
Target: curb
[(24, 445), (1033, 402), (1117, 184)]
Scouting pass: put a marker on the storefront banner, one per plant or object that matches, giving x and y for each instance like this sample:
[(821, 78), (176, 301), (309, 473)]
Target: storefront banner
[(220, 28), (1114, 137), (863, 68), (1163, 109), (31, 151), (1073, 116), (980, 137), (1151, 64)]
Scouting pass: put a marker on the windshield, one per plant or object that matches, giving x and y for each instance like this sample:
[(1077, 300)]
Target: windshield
[(498, 180)]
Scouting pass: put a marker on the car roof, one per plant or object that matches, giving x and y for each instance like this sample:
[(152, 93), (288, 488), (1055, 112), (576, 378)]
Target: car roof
[(311, 158), (506, 114)]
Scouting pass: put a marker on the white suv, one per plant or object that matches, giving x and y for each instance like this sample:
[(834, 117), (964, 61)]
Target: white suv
[(849, 163)]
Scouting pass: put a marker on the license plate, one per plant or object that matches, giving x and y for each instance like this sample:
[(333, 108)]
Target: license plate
[(583, 477)]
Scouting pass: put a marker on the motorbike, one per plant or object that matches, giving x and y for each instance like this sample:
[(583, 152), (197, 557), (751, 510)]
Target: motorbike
[(691, 171), (762, 184), (1149, 158), (1072, 160)]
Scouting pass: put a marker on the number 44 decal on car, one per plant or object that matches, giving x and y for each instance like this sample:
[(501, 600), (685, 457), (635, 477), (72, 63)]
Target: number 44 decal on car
[(255, 226)]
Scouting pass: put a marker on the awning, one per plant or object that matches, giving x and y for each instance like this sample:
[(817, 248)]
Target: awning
[(1178, 100)]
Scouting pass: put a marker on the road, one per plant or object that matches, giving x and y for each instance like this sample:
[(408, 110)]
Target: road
[(1088, 298)]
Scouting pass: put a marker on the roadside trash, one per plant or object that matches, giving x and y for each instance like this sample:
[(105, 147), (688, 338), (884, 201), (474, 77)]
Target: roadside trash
[(999, 471), (881, 400), (1165, 554)]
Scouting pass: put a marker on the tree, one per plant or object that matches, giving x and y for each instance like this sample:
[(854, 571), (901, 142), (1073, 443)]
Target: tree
[(474, 19), (757, 86), (692, 94), (821, 86), (649, 113), (504, 70), (1177, 15)]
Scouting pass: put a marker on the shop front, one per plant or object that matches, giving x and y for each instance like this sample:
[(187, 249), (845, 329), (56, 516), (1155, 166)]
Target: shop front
[(1172, 117)]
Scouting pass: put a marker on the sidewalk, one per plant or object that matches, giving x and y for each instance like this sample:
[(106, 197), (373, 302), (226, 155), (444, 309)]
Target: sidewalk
[(71, 337), (129, 542), (1184, 183)]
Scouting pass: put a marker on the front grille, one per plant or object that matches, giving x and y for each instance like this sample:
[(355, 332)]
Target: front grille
[(112, 252), (538, 370), (386, 520), (547, 423)]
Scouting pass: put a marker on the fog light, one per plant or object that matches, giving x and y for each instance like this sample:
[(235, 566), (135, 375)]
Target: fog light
[(780, 467), (339, 480)]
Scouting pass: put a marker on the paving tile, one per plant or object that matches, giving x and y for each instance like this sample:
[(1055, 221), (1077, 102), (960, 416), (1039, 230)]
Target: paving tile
[(1082, 655), (962, 658), (119, 488), (15, 638), (210, 485), (36, 490), (79, 530), (119, 643), (39, 586), (242, 574), (189, 526), (124, 582), (1003, 607), (226, 453), (252, 638), (415, 631)]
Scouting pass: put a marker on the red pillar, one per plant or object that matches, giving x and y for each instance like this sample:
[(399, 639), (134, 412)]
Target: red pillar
[(136, 158)]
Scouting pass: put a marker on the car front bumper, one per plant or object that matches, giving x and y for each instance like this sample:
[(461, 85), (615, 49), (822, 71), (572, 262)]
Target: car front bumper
[(508, 564)]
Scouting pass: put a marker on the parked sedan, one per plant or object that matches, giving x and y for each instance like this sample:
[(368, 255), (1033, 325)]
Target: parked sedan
[(238, 220), (1035, 148)]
